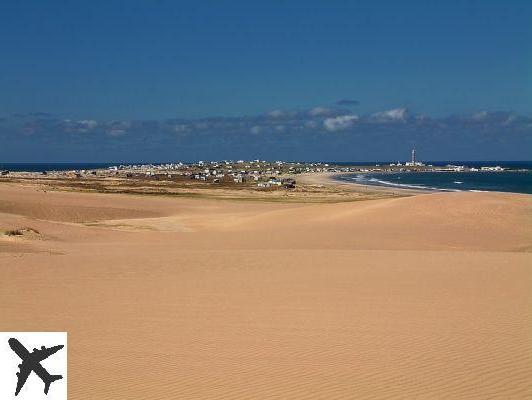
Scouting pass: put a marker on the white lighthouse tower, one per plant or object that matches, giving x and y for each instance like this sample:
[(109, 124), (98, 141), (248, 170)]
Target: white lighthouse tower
[(413, 162)]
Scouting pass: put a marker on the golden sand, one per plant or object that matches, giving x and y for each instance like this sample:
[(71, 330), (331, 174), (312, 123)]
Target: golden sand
[(426, 297)]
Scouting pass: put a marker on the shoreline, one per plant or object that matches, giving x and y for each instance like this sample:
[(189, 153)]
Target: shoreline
[(329, 179), (306, 190), (311, 187), (277, 181)]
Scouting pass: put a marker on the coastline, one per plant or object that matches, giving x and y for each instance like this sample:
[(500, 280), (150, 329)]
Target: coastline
[(310, 188), (282, 181), (328, 179), (313, 187), (325, 179)]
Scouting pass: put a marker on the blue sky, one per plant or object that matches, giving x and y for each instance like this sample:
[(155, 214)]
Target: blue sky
[(159, 60)]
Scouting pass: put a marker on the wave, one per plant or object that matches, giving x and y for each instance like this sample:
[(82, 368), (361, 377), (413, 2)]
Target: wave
[(513, 181), (361, 179)]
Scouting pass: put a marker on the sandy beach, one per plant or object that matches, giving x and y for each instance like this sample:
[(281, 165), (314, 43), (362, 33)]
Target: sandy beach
[(328, 180), (426, 296)]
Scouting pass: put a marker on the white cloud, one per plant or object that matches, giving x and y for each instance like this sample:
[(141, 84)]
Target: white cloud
[(339, 123), (397, 114), (276, 113), (317, 111), (180, 128), (88, 123), (479, 116)]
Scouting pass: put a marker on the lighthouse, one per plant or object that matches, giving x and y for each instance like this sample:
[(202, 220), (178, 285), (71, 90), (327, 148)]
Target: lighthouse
[(413, 162)]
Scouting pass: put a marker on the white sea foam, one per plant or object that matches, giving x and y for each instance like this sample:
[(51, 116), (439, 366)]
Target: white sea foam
[(378, 182)]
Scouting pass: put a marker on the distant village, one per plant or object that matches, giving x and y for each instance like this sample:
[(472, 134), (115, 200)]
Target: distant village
[(257, 173)]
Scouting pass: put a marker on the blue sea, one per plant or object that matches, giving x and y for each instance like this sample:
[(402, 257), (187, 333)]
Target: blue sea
[(518, 179), (41, 167)]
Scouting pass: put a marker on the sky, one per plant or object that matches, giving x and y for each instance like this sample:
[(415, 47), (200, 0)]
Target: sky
[(160, 72)]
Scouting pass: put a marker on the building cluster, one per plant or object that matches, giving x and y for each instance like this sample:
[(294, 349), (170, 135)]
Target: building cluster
[(261, 174)]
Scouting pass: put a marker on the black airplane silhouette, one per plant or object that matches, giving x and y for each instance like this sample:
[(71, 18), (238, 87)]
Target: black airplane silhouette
[(32, 362)]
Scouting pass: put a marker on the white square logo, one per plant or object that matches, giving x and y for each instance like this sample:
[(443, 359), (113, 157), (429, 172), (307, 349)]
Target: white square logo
[(33, 365)]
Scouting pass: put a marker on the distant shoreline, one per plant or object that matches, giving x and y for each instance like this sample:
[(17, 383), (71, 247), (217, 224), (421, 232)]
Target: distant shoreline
[(330, 179), (275, 181), (505, 181)]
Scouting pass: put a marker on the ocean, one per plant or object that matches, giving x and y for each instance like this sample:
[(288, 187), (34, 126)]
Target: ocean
[(517, 180), (41, 167)]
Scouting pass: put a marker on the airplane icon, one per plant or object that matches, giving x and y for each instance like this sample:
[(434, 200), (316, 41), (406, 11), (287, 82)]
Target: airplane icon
[(32, 362)]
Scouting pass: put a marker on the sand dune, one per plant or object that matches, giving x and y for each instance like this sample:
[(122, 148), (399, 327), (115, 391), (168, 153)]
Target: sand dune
[(425, 297)]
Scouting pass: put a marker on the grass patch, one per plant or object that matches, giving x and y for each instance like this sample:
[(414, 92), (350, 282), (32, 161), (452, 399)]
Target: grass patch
[(20, 232)]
